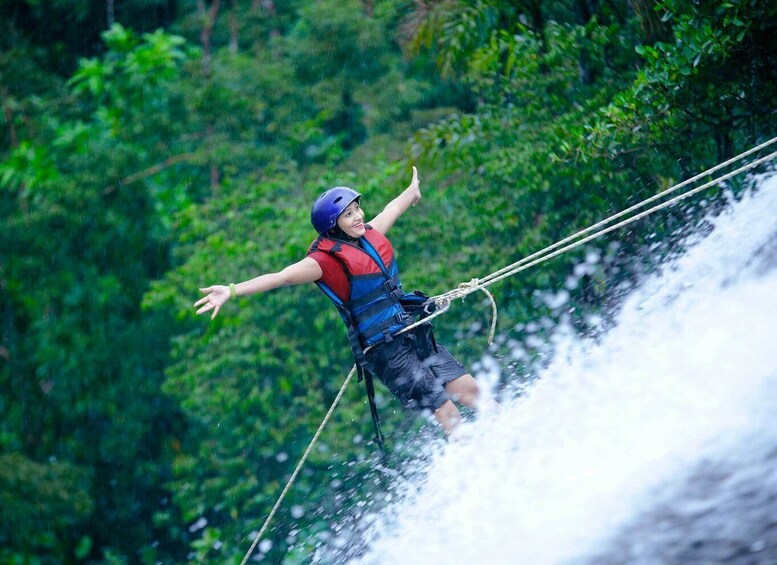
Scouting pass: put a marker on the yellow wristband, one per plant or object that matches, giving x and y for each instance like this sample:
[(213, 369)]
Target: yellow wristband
[(232, 290)]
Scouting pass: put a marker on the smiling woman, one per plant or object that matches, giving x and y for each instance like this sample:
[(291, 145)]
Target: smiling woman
[(353, 264)]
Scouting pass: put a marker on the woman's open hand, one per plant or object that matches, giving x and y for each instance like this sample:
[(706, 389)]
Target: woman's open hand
[(215, 297)]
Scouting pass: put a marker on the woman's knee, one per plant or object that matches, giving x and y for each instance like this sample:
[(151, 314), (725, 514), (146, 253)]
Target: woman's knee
[(448, 416), (464, 388)]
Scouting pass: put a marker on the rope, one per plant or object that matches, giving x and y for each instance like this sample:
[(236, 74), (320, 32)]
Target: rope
[(637, 206), (299, 466), (443, 301)]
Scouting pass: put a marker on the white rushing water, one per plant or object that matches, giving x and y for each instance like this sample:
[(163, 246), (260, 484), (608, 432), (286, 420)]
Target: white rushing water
[(686, 378)]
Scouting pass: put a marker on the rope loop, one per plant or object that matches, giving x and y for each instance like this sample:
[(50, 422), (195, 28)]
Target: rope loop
[(493, 315)]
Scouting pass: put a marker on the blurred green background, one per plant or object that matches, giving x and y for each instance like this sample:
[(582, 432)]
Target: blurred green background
[(148, 148)]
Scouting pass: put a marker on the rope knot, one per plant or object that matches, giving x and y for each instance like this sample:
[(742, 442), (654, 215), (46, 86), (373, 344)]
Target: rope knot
[(473, 283)]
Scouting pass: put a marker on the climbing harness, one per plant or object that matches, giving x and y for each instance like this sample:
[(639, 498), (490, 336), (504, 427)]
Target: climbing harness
[(439, 304), (415, 304)]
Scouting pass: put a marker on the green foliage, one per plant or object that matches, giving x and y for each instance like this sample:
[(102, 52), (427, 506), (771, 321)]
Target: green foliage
[(157, 164), (82, 370), (68, 29), (27, 168), (568, 128), (692, 88), (525, 194), (44, 506), (455, 29), (132, 68)]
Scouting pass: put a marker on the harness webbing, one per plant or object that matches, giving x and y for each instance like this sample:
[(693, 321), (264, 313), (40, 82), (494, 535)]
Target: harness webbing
[(370, 386)]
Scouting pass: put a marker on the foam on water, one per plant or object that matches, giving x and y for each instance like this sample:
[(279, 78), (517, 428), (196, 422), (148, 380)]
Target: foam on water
[(688, 371)]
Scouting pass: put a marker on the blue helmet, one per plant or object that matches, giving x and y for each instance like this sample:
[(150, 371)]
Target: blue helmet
[(329, 206)]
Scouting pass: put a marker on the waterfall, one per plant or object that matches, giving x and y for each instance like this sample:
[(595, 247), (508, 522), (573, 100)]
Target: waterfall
[(655, 443)]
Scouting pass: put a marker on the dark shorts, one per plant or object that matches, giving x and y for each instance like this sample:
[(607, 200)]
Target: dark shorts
[(418, 383)]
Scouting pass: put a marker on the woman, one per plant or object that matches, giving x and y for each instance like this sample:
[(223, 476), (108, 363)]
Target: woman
[(353, 263)]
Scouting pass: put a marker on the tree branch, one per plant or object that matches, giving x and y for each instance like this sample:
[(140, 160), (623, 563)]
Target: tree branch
[(170, 161), (8, 114)]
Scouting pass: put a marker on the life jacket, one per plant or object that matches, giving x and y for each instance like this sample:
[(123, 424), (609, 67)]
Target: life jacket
[(368, 296)]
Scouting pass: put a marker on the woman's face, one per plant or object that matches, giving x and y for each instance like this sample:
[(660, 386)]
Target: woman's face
[(351, 221)]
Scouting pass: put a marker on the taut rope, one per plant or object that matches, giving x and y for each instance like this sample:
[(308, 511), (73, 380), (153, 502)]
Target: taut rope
[(444, 300), (299, 466)]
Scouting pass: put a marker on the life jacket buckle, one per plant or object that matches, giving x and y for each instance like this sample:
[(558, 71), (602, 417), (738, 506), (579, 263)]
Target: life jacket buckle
[(401, 317)]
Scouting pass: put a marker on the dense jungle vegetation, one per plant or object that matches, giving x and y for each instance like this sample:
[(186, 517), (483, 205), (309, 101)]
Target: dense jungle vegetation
[(151, 148)]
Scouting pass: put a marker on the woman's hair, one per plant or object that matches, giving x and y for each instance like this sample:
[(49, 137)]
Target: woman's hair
[(337, 233)]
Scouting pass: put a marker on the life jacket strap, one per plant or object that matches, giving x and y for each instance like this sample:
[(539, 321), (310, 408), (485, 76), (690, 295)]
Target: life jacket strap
[(375, 309), (386, 329), (390, 288), (353, 336)]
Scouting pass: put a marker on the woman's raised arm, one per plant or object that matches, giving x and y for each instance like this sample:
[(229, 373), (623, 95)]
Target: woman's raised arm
[(394, 209)]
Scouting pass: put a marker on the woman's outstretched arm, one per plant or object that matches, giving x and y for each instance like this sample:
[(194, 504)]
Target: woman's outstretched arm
[(300, 272), (394, 209)]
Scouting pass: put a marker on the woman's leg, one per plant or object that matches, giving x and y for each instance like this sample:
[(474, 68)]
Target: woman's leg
[(465, 389), (448, 416)]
